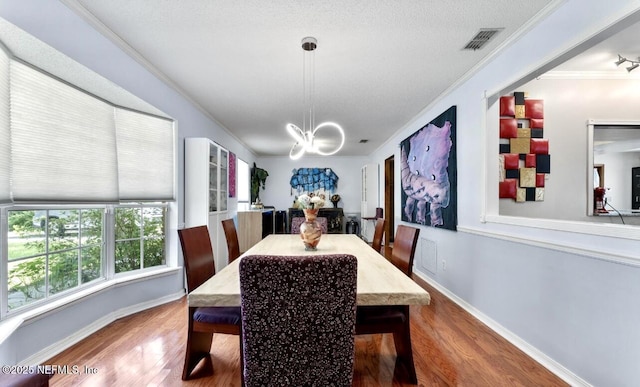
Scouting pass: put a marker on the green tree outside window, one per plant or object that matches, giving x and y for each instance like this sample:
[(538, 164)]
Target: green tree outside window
[(52, 251)]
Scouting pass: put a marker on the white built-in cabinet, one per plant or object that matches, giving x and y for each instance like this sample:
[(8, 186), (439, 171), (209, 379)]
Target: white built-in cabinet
[(369, 201), (206, 191)]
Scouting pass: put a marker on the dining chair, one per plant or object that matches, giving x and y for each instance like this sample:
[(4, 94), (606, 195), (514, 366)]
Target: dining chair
[(231, 234), (296, 221), (404, 248), (394, 318), (378, 234), (203, 322), (298, 319)]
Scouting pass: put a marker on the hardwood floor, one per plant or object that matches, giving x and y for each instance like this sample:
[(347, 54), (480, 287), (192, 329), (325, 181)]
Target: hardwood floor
[(451, 348)]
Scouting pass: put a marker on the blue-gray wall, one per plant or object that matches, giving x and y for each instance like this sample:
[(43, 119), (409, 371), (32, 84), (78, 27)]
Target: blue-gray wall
[(560, 295)]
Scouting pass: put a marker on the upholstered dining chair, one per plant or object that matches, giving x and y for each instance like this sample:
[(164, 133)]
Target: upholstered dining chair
[(296, 221), (203, 322), (394, 318), (231, 234), (298, 319), (378, 233)]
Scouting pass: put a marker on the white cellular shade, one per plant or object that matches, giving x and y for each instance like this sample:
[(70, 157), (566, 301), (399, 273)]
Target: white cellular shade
[(5, 147), (63, 143), (145, 156)]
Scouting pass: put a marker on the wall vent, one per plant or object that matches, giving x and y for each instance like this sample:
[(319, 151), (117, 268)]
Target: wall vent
[(482, 37), (428, 256)]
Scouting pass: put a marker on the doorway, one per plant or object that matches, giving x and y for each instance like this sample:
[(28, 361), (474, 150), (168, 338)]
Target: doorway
[(389, 199)]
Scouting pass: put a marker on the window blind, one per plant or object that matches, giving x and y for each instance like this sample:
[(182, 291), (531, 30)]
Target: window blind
[(63, 142), (145, 147), (5, 148)]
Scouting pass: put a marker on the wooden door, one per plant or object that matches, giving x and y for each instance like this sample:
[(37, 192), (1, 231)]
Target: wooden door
[(388, 199)]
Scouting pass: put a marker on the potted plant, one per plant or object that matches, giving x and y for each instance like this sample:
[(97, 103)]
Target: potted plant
[(258, 179)]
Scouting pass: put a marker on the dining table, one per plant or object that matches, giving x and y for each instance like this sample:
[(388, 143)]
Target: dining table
[(379, 282)]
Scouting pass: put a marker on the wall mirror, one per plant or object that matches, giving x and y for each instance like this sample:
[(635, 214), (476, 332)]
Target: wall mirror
[(615, 155)]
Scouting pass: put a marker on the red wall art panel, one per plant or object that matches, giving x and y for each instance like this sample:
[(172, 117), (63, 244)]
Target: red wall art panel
[(524, 152)]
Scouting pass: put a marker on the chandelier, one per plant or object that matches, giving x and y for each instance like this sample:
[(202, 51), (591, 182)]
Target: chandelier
[(312, 138)]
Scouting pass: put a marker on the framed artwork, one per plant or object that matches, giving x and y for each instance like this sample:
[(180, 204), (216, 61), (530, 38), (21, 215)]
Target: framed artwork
[(429, 174), (313, 180), (232, 175)]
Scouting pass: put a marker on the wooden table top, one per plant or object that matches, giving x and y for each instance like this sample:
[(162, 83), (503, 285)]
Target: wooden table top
[(379, 281)]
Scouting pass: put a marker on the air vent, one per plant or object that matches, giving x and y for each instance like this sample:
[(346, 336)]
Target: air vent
[(482, 37)]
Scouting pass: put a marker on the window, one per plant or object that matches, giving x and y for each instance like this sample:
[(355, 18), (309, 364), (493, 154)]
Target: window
[(243, 184), (52, 252), (69, 159), (139, 238)]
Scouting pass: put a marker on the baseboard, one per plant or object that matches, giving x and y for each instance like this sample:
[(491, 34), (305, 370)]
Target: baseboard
[(47, 353), (537, 355)]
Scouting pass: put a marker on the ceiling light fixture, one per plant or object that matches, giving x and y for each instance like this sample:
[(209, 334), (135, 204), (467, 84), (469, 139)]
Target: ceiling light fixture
[(307, 138), (634, 63)]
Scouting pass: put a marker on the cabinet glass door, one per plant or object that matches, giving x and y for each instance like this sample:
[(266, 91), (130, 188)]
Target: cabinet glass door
[(213, 178), (224, 177)]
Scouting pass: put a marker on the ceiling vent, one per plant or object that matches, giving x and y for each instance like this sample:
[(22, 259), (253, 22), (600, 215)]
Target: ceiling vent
[(482, 37)]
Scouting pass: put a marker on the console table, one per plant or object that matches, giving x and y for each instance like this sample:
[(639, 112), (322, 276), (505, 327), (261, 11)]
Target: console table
[(335, 218)]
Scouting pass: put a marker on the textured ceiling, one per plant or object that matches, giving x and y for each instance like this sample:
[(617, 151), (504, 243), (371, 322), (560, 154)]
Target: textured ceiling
[(379, 63)]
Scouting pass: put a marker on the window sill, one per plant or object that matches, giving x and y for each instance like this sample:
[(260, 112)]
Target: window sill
[(12, 323)]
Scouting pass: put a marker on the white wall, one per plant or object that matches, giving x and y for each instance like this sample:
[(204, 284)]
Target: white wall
[(568, 104), (57, 26), (561, 296), (278, 192)]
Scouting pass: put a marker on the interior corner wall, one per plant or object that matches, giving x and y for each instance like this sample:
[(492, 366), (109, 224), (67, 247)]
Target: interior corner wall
[(545, 290)]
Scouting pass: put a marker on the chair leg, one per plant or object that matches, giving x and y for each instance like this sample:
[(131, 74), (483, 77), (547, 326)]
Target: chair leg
[(404, 352), (198, 348), (242, 384)]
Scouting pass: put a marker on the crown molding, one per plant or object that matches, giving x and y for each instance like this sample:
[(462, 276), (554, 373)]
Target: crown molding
[(619, 75)]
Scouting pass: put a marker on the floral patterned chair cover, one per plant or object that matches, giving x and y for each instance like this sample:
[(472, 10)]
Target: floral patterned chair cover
[(298, 319), (296, 221)]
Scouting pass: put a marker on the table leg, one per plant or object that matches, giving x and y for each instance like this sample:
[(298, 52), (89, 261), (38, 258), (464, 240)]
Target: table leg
[(198, 348), (405, 368)]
